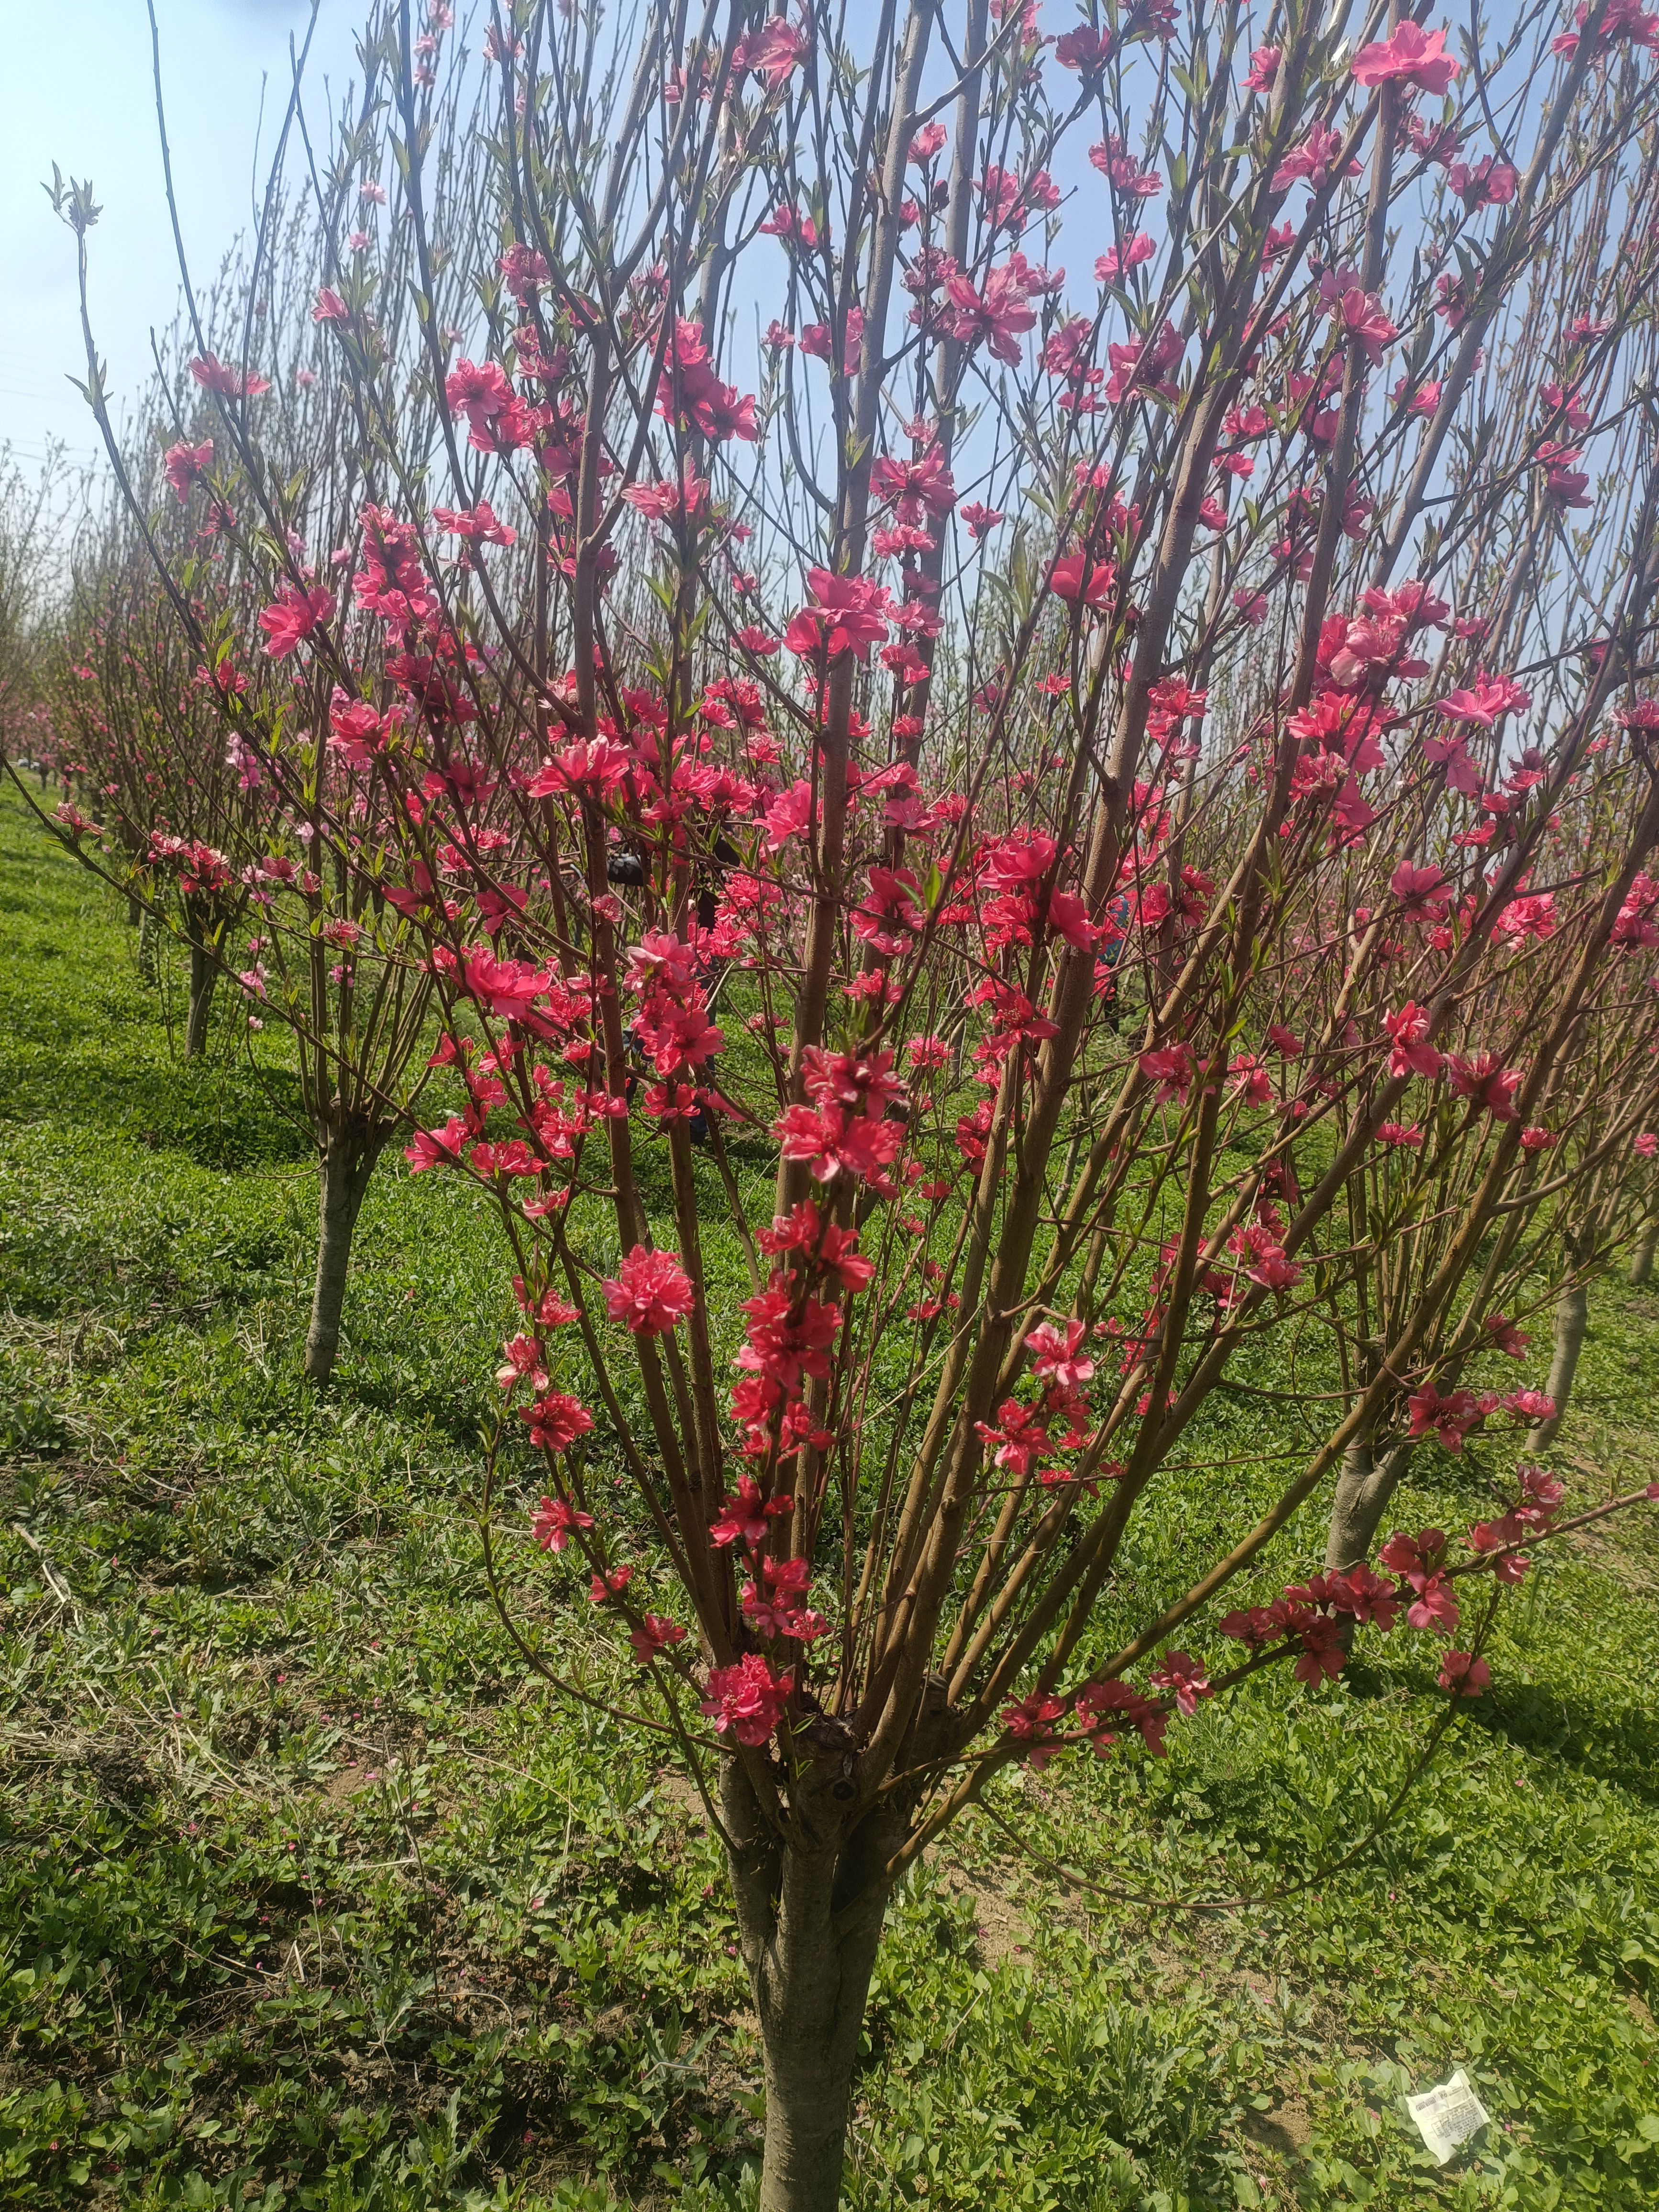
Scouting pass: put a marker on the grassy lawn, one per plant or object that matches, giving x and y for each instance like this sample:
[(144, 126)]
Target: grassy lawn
[(311, 1895)]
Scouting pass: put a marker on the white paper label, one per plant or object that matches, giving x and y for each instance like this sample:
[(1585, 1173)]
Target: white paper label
[(1448, 2116)]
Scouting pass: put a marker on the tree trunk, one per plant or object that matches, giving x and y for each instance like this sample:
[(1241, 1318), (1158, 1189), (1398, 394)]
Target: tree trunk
[(1364, 1488), (1571, 1314), (810, 1920), (1641, 1260), (342, 1172), (204, 974), (135, 911)]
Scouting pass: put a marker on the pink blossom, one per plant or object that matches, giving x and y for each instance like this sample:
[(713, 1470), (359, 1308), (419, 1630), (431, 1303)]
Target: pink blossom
[(1311, 161), (214, 375), (1364, 322), (477, 524), (1252, 1082), (1084, 582), (1423, 892), (1020, 1435), (1488, 183), (1412, 56), (1184, 1679), (789, 815), (653, 1635), (1530, 1406), (293, 616), (183, 464), (773, 53), (1413, 1054), (1450, 1418), (594, 768), (743, 1519), (1505, 1336), (652, 1293), (553, 1521), (1170, 1068), (1056, 1354), (1097, 1700), (430, 1148), (1084, 49), (1113, 263), (847, 614), (1483, 701), (1462, 1673), (1030, 1722), (479, 390), (1483, 1079), (999, 316), (835, 1143), (748, 1699), (1263, 1257), (555, 1420)]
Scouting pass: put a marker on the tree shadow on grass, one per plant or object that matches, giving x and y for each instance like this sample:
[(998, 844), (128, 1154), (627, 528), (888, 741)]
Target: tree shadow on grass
[(212, 1114)]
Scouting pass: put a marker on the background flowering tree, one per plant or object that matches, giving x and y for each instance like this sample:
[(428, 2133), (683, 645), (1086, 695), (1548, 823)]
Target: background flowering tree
[(167, 648), (1078, 832)]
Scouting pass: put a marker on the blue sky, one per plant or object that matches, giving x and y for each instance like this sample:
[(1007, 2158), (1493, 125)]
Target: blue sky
[(79, 81)]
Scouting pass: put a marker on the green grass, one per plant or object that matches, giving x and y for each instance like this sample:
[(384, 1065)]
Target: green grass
[(311, 1896)]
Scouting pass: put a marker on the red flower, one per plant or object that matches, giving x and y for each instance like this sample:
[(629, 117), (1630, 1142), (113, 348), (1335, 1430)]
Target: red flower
[(1020, 1436), (1485, 1083), (1264, 1258), (775, 52), (478, 389), (1504, 1336), (1424, 893), (837, 1143), (1057, 1357)]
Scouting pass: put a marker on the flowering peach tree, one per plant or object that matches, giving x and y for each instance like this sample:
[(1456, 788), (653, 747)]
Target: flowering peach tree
[(1065, 825)]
